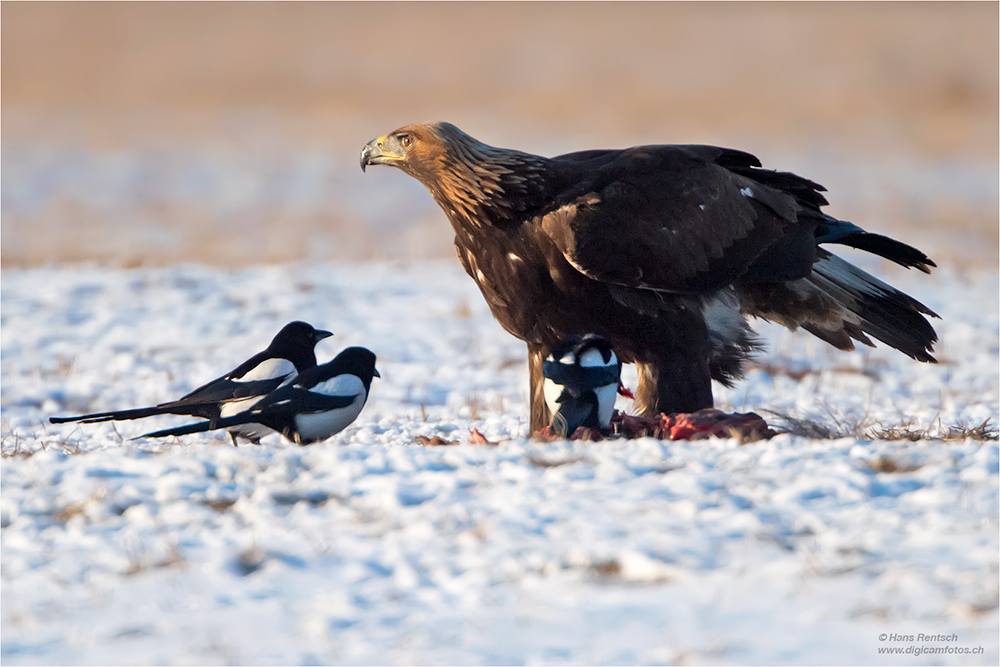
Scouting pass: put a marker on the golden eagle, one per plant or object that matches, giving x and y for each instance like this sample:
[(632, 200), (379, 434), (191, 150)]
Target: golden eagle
[(660, 249)]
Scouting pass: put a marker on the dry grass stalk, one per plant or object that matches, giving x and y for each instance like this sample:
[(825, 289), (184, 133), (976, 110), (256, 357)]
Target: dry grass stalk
[(608, 569), (888, 464), (867, 429), (477, 438), (220, 504), (542, 462), (434, 441), (76, 509), (174, 559)]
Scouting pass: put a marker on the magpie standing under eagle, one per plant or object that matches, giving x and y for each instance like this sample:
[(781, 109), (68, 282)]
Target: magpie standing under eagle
[(662, 250), (582, 379)]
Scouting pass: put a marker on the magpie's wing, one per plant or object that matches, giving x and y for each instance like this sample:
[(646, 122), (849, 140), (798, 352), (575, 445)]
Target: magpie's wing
[(303, 401), (258, 375), (581, 378), (224, 390)]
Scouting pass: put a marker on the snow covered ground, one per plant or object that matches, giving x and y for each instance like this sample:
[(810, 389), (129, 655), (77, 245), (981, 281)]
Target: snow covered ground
[(370, 548)]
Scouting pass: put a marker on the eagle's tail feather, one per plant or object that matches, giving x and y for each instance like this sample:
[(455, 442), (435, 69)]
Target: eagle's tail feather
[(846, 233), (873, 308), (891, 249)]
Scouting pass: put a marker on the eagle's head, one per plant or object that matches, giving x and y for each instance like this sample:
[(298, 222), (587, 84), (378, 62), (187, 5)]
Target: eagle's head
[(473, 182), (416, 149)]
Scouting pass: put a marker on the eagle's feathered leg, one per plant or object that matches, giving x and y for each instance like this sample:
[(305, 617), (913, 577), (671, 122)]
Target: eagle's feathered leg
[(540, 416), (674, 383)]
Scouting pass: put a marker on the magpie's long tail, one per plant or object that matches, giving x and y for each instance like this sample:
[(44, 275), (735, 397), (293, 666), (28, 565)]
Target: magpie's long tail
[(198, 427), (118, 415), (832, 230)]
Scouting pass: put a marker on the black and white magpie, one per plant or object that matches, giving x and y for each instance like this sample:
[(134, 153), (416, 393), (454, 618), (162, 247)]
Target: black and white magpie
[(291, 351), (317, 404), (582, 375)]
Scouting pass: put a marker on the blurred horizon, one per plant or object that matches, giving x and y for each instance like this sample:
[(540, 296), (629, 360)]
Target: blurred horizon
[(228, 133)]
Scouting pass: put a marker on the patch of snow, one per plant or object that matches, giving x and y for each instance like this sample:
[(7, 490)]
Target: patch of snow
[(370, 548)]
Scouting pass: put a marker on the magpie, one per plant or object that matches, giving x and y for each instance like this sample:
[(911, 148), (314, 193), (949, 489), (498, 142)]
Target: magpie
[(317, 404), (582, 376), (290, 352)]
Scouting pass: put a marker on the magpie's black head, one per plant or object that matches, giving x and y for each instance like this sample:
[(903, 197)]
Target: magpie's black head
[(582, 375), (577, 348), (296, 342), (358, 361)]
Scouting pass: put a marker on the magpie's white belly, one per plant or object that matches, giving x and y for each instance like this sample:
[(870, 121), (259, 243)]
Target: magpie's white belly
[(250, 431), (236, 407), (606, 396), (266, 370), (552, 392), (321, 425)]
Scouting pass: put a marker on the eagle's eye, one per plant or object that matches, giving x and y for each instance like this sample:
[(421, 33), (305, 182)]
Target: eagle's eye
[(406, 140)]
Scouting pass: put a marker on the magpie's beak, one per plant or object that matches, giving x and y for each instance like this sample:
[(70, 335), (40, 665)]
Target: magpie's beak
[(384, 150), (319, 335), (375, 373)]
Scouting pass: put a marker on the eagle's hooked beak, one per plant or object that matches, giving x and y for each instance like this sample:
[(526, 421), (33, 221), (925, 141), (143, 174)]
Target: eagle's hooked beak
[(383, 150)]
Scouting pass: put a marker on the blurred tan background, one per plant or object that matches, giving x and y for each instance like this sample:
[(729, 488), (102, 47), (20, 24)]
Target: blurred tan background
[(229, 133)]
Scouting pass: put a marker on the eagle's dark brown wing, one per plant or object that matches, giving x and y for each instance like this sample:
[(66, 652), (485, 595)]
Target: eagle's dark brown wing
[(669, 218)]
